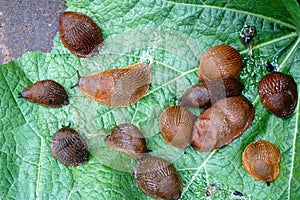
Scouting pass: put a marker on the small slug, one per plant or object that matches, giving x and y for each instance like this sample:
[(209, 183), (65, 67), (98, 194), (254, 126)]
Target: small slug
[(261, 160), (46, 93), (201, 94), (175, 124), (270, 67), (127, 138), (68, 147), (247, 34), (79, 34), (221, 61), (278, 94), (237, 193), (221, 123), (210, 190), (158, 178), (117, 87)]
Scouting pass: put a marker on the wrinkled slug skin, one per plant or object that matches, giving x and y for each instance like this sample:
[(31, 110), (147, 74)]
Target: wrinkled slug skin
[(46, 93), (118, 87), (79, 34), (220, 124)]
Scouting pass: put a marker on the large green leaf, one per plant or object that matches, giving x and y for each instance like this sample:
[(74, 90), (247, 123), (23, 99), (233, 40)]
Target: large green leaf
[(173, 35)]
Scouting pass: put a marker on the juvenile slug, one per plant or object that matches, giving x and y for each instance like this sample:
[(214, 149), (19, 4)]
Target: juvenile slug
[(261, 160), (221, 123), (270, 67), (117, 87), (127, 138), (278, 94), (221, 61), (79, 34), (247, 34), (175, 124), (201, 94), (46, 93), (158, 178), (68, 147)]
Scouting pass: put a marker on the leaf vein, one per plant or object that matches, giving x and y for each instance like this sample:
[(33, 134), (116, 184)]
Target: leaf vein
[(236, 11)]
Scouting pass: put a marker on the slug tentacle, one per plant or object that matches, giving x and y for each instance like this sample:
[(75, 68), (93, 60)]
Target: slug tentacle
[(79, 77)]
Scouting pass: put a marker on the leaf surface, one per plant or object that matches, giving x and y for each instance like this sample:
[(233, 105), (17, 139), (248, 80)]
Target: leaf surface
[(173, 35)]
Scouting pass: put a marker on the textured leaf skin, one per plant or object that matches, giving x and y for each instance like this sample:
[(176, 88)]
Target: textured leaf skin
[(174, 34)]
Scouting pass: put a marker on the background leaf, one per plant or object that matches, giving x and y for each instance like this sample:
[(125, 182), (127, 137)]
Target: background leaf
[(172, 34)]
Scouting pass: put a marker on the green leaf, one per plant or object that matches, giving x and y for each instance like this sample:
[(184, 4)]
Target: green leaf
[(173, 35)]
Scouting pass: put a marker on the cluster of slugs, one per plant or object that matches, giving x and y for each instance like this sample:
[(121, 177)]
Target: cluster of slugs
[(226, 116)]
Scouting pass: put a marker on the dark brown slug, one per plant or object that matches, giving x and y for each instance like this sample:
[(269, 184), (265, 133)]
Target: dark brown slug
[(158, 178), (46, 93), (68, 147), (79, 34), (278, 94)]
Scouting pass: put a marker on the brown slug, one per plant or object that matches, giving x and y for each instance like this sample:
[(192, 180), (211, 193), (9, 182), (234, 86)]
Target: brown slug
[(278, 94), (46, 93), (201, 94), (221, 123), (175, 124), (68, 147), (117, 87), (158, 178), (127, 138), (221, 61), (79, 34), (261, 160)]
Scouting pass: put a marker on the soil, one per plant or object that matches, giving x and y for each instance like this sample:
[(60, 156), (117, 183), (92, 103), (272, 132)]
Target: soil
[(27, 25)]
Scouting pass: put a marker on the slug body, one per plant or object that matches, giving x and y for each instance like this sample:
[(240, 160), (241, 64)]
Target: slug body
[(221, 61), (46, 93), (158, 178), (117, 87), (128, 139), (220, 124), (207, 93), (278, 94), (175, 124), (79, 34), (261, 160), (68, 147)]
